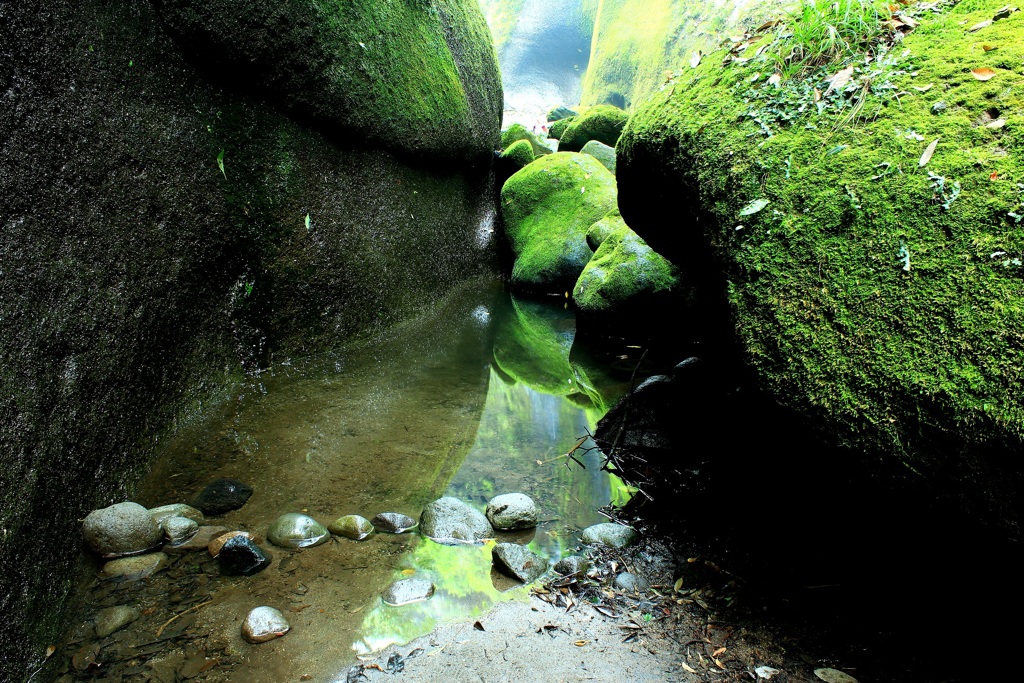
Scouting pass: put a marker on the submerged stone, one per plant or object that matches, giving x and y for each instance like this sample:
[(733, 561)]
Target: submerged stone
[(512, 511), (518, 562), (114, 618), (121, 529), (407, 591), (164, 512), (263, 624), (609, 534), (241, 557), (351, 526), (222, 495), (449, 520), (393, 522), (179, 529), (199, 541), (133, 568), (295, 530)]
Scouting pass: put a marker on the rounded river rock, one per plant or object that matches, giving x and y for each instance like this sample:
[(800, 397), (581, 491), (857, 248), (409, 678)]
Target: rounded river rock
[(121, 529), (449, 520), (296, 530), (263, 624), (511, 511)]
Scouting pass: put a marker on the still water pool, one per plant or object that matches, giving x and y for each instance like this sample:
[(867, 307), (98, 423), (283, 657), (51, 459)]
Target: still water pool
[(481, 396)]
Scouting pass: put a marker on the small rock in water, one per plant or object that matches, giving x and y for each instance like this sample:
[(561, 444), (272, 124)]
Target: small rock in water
[(179, 529), (163, 512), (121, 529), (512, 511), (295, 530), (351, 526), (133, 568), (518, 561), (573, 564), (609, 534), (200, 541), (406, 591), (263, 624), (214, 546), (222, 495), (393, 522), (113, 618), (449, 520), (241, 557)]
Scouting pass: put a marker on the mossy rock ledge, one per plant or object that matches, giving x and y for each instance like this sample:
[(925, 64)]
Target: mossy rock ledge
[(874, 288), (547, 208)]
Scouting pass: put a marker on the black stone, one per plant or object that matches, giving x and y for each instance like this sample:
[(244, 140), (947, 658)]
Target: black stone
[(241, 557), (222, 495)]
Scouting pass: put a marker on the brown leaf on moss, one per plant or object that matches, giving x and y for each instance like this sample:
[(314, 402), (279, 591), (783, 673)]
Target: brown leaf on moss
[(989, 48), (983, 73), (928, 152)]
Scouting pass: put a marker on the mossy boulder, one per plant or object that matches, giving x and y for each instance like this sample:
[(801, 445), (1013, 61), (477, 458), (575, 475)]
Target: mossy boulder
[(558, 113), (625, 276), (601, 152), (603, 123), (556, 129), (870, 253), (518, 131), (547, 208), (517, 155)]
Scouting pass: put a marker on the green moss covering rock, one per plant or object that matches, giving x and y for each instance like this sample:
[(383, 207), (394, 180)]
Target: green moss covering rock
[(519, 154), (558, 113), (603, 123), (601, 152), (870, 254), (625, 276), (556, 129), (518, 131), (547, 208)]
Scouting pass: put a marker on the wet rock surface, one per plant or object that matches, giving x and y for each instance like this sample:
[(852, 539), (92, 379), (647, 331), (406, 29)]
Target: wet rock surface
[(222, 495), (114, 618), (351, 526), (121, 529), (449, 520), (263, 624), (392, 522), (240, 556), (519, 562), (296, 530), (179, 529), (163, 512), (510, 511), (133, 568), (215, 545), (406, 591), (199, 541)]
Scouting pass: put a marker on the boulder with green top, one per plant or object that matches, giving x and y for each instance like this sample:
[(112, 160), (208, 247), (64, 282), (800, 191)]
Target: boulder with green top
[(603, 123), (560, 112), (517, 132), (625, 276), (547, 207), (517, 155), (556, 129)]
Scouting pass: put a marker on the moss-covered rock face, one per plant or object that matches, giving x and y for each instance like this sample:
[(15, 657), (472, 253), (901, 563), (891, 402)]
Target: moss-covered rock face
[(870, 254), (601, 152), (519, 154), (558, 113), (603, 123), (556, 129), (518, 131), (546, 208), (625, 275), (409, 76), (163, 234)]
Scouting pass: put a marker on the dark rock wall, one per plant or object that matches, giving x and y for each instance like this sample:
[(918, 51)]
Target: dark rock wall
[(140, 276)]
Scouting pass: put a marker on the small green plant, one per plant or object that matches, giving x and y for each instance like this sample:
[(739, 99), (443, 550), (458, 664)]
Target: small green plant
[(1018, 215), (824, 32), (220, 164)]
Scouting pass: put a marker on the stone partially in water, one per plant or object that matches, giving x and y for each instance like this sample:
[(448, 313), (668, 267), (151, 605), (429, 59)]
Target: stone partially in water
[(407, 591), (573, 564), (199, 541), (241, 557), (393, 522), (222, 495), (179, 529), (449, 520), (263, 624), (512, 511), (351, 526), (121, 529), (295, 530), (113, 618), (609, 534), (214, 546), (518, 562), (164, 512), (133, 568)]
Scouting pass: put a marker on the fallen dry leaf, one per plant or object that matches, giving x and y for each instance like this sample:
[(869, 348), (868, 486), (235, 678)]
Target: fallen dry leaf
[(922, 88), (718, 663), (695, 59), (994, 176), (688, 667), (50, 650), (839, 79), (998, 123), (983, 73), (989, 48), (775, 79), (718, 652), (581, 643), (980, 25), (928, 152)]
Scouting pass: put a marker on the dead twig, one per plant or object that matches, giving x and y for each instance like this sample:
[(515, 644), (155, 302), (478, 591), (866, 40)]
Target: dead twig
[(190, 609)]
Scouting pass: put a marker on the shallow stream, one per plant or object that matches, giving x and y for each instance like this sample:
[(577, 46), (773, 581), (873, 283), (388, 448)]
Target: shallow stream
[(484, 395)]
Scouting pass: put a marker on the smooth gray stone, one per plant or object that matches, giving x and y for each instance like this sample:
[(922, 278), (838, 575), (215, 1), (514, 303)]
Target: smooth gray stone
[(113, 618), (407, 591), (263, 624), (512, 511), (162, 513), (179, 529), (602, 152), (518, 562), (121, 529), (133, 568), (392, 522), (449, 520), (573, 564), (351, 526), (295, 530), (610, 534), (630, 583)]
